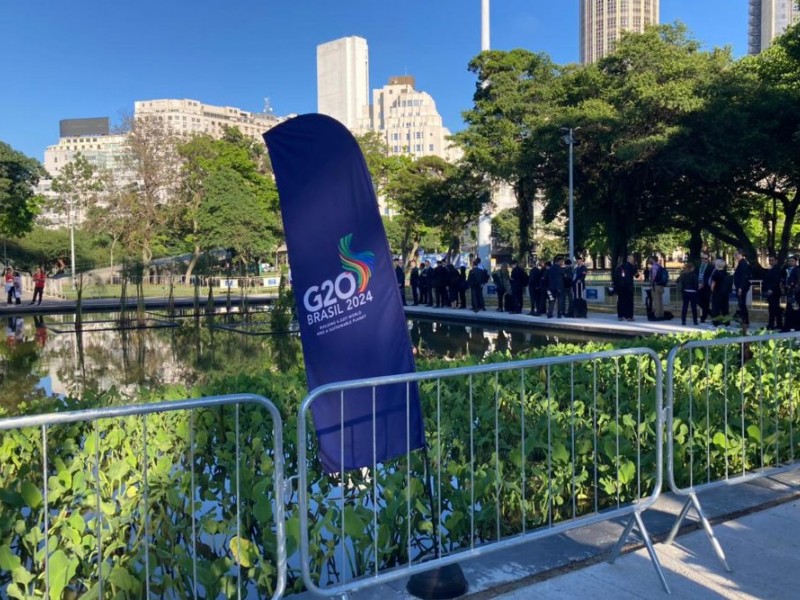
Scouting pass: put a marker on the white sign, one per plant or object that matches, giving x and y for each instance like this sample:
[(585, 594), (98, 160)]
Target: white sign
[(229, 283), (272, 281)]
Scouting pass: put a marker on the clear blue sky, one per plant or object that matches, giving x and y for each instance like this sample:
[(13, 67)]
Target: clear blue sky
[(87, 58)]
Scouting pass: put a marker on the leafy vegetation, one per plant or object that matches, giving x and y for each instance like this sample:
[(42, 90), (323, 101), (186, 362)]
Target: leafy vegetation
[(508, 451)]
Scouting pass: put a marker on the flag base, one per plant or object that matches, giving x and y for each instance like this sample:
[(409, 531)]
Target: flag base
[(440, 583)]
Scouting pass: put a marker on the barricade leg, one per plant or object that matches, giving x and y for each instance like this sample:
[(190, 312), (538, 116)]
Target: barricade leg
[(636, 519), (693, 502)]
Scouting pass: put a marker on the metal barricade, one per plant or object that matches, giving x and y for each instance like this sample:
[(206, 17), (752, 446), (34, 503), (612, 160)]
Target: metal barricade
[(183, 478), (516, 451), (731, 416)]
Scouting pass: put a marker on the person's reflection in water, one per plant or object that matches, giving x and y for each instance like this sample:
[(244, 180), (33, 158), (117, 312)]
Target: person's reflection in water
[(478, 344), (501, 343), (518, 342), (41, 330), (10, 339), (427, 337)]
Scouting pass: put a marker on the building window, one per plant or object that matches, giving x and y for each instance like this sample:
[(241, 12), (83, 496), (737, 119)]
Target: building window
[(430, 147)]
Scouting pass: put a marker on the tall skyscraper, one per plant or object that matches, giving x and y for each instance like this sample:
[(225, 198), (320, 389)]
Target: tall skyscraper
[(767, 20), (343, 81), (603, 21)]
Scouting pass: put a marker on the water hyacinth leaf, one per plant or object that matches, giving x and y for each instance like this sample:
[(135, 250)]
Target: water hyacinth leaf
[(62, 570), (31, 494), (244, 551), (8, 560)]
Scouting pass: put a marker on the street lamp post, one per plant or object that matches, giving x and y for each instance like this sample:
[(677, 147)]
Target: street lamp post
[(569, 139)]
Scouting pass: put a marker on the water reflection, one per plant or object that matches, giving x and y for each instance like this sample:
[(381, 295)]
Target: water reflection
[(46, 355)]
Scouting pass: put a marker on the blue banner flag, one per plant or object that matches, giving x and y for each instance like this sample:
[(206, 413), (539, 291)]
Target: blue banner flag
[(352, 323)]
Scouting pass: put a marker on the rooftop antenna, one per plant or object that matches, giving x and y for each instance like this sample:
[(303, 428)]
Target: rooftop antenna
[(268, 110)]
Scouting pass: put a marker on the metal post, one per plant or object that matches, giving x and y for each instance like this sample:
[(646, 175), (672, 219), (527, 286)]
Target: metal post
[(571, 221), (72, 238)]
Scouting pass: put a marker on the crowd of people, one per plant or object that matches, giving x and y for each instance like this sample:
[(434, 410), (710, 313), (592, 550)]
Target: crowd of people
[(557, 288), (554, 288)]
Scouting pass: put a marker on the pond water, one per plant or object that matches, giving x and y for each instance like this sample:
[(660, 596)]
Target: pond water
[(46, 355)]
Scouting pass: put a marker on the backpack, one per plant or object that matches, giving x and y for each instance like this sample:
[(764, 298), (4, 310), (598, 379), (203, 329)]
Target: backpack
[(662, 276)]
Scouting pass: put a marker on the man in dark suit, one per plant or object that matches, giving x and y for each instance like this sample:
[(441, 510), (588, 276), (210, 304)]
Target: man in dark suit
[(624, 276), (771, 290), (741, 283), (401, 278), (415, 282), (704, 271), (555, 288), (519, 279), (791, 287), (534, 288)]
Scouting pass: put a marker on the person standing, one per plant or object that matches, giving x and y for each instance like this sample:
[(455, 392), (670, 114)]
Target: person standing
[(721, 284), (623, 280), (568, 296), (425, 284), (440, 285), (413, 280), (555, 288), (502, 281), (9, 283), (17, 287), (687, 284), (38, 285), (658, 282), (704, 272), (401, 279), (741, 283), (544, 282), (452, 284), (771, 290), (476, 279), (791, 287), (579, 288), (519, 279), (462, 287), (534, 283)]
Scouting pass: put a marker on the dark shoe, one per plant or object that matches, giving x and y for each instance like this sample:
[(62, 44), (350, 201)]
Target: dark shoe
[(549, 316), (631, 319), (683, 322), (619, 318)]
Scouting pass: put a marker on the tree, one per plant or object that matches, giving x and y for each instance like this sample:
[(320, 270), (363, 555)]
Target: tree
[(152, 161), (77, 186), (629, 107), (512, 97), (235, 215), (18, 203), (206, 213)]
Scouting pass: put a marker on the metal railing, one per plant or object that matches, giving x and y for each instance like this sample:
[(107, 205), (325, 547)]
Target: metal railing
[(209, 455), (516, 452), (733, 419)]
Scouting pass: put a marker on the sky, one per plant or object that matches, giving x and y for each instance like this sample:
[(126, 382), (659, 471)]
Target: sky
[(93, 58)]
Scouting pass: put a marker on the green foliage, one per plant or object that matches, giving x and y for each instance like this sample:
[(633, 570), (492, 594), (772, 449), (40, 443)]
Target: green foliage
[(483, 433), (18, 205)]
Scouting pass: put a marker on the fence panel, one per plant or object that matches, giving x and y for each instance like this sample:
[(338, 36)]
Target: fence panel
[(515, 452), (178, 499), (732, 416)]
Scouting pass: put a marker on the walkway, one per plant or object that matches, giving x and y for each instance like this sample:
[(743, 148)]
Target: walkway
[(757, 523)]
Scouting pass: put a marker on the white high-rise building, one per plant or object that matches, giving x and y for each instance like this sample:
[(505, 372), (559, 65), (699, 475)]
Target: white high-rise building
[(767, 20), (343, 81), (408, 120), (603, 21)]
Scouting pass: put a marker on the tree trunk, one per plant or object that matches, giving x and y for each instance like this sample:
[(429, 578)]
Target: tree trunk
[(789, 216), (695, 243), (193, 262), (524, 195)]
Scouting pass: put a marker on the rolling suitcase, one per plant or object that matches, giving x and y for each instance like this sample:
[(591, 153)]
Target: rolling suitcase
[(580, 309)]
